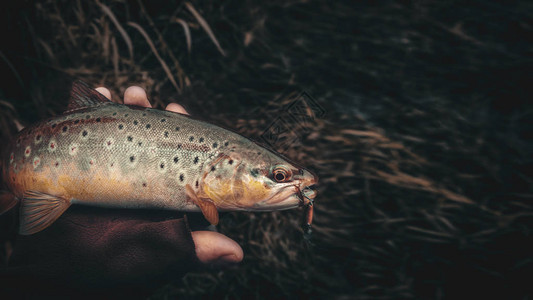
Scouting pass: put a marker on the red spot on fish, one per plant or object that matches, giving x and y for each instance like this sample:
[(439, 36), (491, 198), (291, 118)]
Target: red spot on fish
[(91, 162), (56, 164), (52, 145), (109, 143)]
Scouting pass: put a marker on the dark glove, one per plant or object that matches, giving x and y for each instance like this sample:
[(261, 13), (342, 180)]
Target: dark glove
[(96, 251)]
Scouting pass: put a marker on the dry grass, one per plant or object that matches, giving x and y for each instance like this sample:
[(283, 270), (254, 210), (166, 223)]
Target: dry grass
[(425, 180)]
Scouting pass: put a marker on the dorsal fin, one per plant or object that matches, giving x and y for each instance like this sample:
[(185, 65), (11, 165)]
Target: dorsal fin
[(82, 95)]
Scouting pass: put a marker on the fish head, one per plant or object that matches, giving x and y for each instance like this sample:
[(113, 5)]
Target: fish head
[(257, 179), (289, 185)]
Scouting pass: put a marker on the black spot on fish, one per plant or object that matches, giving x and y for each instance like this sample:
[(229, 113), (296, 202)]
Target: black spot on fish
[(179, 146), (140, 143), (125, 115), (213, 168), (84, 133), (254, 172), (54, 125), (181, 177), (163, 120), (176, 159), (135, 122), (148, 126), (98, 120), (166, 133), (162, 166), (130, 138), (201, 140), (230, 162), (177, 128), (38, 137), (144, 114), (215, 145), (76, 121), (65, 128), (144, 184), (120, 126), (114, 114), (196, 160), (226, 144), (87, 117), (191, 138), (196, 184), (132, 158)]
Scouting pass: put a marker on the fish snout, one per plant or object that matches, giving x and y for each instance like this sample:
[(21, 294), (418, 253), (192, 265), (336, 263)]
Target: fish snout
[(306, 178)]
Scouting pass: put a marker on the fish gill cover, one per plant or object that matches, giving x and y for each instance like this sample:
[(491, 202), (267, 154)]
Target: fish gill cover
[(415, 116)]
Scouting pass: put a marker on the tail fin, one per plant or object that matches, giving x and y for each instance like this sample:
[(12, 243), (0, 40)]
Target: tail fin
[(7, 202)]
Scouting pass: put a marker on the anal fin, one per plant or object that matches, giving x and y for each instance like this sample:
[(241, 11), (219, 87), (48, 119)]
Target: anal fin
[(207, 206), (39, 210)]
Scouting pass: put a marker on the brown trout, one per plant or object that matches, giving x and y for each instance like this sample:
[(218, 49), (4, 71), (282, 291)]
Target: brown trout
[(108, 154)]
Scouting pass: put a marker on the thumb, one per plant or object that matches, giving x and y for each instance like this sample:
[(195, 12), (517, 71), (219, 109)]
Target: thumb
[(213, 247)]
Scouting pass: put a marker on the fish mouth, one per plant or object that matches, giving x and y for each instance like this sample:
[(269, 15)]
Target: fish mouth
[(306, 191), (306, 195), (300, 192), (291, 196), (285, 198)]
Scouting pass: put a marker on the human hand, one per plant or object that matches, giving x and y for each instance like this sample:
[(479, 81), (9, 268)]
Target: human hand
[(210, 246)]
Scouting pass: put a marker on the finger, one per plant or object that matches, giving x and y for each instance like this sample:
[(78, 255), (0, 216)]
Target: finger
[(135, 95), (213, 247), (102, 90), (175, 107)]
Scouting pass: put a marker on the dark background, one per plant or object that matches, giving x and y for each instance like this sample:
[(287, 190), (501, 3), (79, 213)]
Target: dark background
[(423, 152)]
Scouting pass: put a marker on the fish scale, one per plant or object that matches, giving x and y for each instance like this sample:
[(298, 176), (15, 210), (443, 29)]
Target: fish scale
[(113, 146), (107, 154)]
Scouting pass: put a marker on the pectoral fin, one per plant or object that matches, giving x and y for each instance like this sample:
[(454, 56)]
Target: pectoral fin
[(39, 210), (207, 206)]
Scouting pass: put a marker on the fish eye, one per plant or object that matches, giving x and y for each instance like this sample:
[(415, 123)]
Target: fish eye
[(281, 174)]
